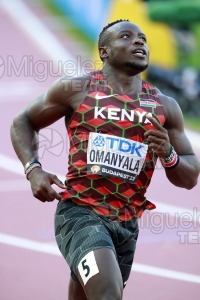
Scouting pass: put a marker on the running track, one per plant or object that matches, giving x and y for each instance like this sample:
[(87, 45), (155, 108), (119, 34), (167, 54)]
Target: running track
[(167, 264)]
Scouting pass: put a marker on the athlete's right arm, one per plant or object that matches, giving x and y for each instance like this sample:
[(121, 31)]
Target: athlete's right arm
[(43, 111)]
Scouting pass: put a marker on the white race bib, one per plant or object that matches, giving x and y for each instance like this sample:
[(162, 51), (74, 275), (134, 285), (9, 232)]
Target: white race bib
[(114, 156)]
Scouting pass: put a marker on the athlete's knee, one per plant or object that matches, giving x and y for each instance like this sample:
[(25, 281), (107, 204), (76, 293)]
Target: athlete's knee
[(113, 292), (106, 292), (76, 291), (105, 287)]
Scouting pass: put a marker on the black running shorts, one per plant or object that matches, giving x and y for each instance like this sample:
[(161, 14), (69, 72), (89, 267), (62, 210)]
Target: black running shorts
[(79, 231)]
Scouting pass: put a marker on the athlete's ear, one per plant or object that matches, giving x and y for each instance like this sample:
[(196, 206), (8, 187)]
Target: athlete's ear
[(103, 52)]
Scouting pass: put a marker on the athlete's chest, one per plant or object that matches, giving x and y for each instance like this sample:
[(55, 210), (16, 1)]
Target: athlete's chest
[(116, 109)]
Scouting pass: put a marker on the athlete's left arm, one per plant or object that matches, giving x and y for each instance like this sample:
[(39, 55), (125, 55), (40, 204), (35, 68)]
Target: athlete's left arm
[(186, 172)]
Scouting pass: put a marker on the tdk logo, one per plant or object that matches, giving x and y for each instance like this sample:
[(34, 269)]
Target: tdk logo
[(118, 145), (99, 141)]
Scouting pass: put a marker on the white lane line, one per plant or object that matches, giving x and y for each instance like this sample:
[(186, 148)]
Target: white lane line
[(13, 165), (19, 88), (177, 210), (161, 272), (35, 29), (28, 244), (14, 185), (10, 164), (53, 249)]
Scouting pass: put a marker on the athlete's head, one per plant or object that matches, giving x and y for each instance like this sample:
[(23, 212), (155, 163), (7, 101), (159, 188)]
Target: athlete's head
[(122, 44)]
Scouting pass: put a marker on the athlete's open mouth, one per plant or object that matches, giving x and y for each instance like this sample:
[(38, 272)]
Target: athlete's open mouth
[(139, 52)]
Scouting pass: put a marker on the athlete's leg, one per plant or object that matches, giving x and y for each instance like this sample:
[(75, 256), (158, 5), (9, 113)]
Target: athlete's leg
[(80, 232), (76, 292), (106, 283)]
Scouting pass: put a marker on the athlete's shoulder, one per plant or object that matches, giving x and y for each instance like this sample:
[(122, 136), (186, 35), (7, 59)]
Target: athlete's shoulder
[(73, 84), (65, 88), (150, 88), (147, 85), (165, 99), (172, 109), (170, 105)]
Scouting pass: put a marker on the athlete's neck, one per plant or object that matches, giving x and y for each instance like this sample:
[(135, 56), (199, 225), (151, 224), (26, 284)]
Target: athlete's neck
[(122, 83)]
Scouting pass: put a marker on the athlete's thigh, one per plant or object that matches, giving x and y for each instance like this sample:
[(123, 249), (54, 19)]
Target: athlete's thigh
[(126, 248), (100, 275), (76, 291)]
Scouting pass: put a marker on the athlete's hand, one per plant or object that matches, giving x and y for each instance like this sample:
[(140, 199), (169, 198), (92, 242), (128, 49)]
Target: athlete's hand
[(158, 139), (41, 182)]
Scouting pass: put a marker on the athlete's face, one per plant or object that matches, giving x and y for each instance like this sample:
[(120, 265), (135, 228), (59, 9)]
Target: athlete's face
[(128, 47)]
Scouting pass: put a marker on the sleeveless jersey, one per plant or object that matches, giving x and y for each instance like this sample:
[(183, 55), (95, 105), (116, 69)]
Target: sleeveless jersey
[(115, 123)]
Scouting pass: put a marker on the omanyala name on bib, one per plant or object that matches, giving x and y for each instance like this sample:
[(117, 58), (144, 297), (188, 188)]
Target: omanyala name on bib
[(114, 159)]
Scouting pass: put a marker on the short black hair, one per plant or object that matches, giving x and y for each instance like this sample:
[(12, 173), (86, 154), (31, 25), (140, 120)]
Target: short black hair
[(103, 39)]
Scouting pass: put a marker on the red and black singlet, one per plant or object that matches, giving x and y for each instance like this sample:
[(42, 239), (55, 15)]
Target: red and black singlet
[(122, 120)]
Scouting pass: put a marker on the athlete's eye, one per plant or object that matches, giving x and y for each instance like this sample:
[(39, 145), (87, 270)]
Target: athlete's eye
[(126, 36), (144, 38)]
